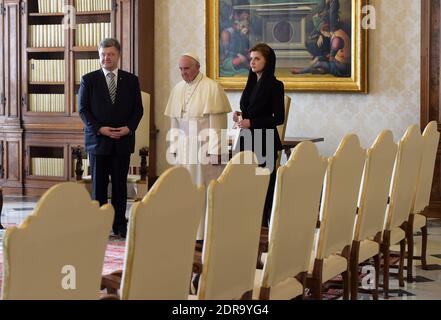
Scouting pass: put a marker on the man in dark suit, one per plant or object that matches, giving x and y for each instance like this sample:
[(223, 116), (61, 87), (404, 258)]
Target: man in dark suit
[(110, 106)]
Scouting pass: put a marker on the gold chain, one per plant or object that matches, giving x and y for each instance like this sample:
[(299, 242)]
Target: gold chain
[(186, 101)]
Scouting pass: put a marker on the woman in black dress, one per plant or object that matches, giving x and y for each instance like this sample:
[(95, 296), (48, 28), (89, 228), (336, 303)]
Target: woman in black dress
[(262, 110)]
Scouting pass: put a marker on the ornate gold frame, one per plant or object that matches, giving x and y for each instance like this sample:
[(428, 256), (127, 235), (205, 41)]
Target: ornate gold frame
[(357, 83)]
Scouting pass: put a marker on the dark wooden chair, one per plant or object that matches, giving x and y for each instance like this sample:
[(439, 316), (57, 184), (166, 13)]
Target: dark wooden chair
[(372, 205), (338, 213), (136, 180), (403, 184), (417, 219)]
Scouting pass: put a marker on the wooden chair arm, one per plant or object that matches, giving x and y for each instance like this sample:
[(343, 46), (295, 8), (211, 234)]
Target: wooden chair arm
[(197, 263), (111, 283), (117, 273), (110, 297), (263, 246), (264, 240)]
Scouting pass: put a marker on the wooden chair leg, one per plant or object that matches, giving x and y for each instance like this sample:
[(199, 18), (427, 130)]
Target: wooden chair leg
[(401, 267), (346, 287), (410, 245), (386, 254), (317, 289), (302, 277), (424, 247), (355, 249), (247, 295), (346, 253), (377, 276), (264, 293), (315, 281)]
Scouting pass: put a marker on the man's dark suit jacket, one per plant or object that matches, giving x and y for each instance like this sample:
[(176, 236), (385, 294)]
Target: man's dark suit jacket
[(96, 110)]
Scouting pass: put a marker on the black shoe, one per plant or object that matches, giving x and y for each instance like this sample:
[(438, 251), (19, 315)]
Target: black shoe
[(123, 232)]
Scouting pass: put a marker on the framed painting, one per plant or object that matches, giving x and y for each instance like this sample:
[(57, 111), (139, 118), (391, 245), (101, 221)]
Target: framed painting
[(320, 45)]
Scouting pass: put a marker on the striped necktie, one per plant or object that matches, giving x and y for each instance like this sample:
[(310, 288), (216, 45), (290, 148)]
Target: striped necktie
[(112, 86)]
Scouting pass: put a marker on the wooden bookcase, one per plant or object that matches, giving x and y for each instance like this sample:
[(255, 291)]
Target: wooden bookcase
[(43, 54), (11, 131)]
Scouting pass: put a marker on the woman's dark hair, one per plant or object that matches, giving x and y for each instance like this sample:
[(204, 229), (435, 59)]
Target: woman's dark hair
[(264, 49), (260, 90), (270, 58)]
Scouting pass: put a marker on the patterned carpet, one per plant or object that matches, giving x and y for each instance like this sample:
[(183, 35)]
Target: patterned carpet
[(114, 258)]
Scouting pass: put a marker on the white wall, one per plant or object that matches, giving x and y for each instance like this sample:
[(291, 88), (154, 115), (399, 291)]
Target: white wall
[(394, 60)]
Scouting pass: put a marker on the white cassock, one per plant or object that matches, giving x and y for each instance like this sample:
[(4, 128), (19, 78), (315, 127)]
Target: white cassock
[(198, 111)]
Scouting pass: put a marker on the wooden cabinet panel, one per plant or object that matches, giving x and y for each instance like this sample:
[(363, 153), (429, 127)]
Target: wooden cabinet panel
[(12, 171), (430, 87), (11, 44), (2, 161), (124, 32), (2, 61), (13, 153)]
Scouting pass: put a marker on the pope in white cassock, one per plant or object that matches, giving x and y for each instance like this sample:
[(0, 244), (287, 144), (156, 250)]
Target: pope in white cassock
[(198, 108)]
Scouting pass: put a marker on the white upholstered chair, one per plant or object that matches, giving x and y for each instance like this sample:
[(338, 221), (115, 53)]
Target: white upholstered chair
[(292, 228), (372, 203), (338, 211), (137, 181), (161, 240), (234, 215), (58, 251), (417, 219), (282, 128), (401, 195)]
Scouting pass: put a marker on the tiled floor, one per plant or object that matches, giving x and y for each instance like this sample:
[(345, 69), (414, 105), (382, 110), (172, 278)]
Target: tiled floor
[(426, 287)]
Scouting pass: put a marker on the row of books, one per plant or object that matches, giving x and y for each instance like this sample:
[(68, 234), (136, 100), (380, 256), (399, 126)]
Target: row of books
[(46, 103), (48, 167), (46, 36), (49, 102), (56, 6), (84, 66), (93, 5), (50, 6), (91, 34), (46, 71)]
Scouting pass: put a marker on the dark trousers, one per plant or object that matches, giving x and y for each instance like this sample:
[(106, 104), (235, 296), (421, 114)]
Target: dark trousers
[(117, 167)]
